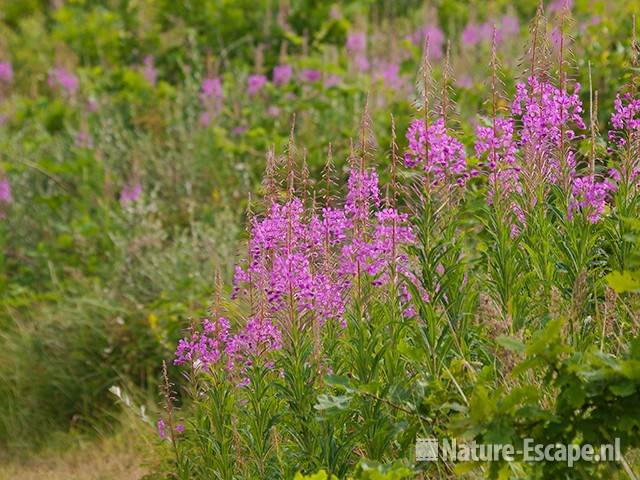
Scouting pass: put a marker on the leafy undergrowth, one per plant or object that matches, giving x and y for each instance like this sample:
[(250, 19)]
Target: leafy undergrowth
[(132, 134), (476, 299)]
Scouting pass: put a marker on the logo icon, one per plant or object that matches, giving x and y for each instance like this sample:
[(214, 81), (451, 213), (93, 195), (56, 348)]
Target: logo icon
[(426, 450)]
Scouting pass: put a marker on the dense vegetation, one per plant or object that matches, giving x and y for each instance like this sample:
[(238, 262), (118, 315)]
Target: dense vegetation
[(339, 225)]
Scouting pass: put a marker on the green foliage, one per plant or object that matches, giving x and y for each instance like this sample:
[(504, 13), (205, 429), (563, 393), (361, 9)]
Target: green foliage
[(595, 400), (94, 293), (629, 279)]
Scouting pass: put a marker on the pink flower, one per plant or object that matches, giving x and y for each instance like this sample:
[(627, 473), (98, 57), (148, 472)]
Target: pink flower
[(211, 89), (255, 83), (300, 267), (282, 74), (149, 71), (389, 73), (435, 36), (6, 72), (332, 81), (205, 119), (162, 432), (559, 5), (626, 115), (61, 78), (216, 347), (206, 347), (310, 75), (361, 62), (5, 191), (211, 99), (356, 42), (547, 113), (464, 81), (589, 196), (84, 140), (509, 25), (498, 144), (625, 121), (444, 160), (130, 193), (470, 35)]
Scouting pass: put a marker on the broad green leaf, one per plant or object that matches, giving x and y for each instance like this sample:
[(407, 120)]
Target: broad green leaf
[(624, 281)]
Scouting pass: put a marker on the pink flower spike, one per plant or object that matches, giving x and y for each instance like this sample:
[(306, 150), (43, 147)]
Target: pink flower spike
[(5, 191), (255, 84), (282, 75), (6, 72)]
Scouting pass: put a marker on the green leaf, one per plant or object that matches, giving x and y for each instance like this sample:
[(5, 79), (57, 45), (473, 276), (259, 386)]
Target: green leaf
[(623, 389), (338, 381), (624, 281), (329, 402), (369, 470), (480, 406), (511, 343), (321, 475)]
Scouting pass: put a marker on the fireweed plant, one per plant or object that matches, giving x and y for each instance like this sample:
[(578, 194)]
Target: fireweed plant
[(362, 320)]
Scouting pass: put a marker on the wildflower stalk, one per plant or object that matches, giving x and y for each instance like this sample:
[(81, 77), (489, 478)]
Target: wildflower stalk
[(494, 112), (425, 101), (250, 255), (168, 403), (593, 109), (392, 204), (269, 183), (327, 173), (565, 168), (290, 167), (445, 85), (304, 178)]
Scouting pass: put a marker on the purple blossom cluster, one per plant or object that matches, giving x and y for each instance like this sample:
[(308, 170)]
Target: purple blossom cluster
[(6, 72), (439, 154), (389, 74), (61, 78), (255, 83), (549, 117), (356, 42), (215, 346), (589, 196), (5, 191), (130, 193), (282, 75), (356, 47), (625, 118), (475, 33), (6, 198), (373, 236), (435, 38), (211, 96), (301, 267), (161, 427), (497, 146), (624, 137), (149, 70), (478, 33), (497, 142), (310, 75)]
